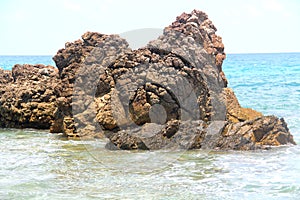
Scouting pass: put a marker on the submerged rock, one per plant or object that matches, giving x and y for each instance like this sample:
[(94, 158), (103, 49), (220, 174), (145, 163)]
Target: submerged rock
[(170, 94)]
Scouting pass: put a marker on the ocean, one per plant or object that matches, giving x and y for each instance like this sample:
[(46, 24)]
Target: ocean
[(37, 165)]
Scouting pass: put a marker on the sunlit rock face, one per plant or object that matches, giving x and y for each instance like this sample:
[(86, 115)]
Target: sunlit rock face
[(169, 94), (28, 96)]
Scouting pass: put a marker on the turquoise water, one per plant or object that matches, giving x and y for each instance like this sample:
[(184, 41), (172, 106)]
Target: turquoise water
[(269, 83), (7, 62), (38, 165)]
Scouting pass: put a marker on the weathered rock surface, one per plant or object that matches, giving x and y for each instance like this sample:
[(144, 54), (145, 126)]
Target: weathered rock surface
[(174, 83), (28, 95), (5, 77), (174, 134), (236, 113), (80, 65), (170, 94), (261, 132), (200, 27)]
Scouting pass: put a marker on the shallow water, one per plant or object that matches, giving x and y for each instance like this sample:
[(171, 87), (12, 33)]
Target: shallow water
[(38, 165)]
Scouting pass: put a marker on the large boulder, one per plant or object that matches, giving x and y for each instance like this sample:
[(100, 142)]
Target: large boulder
[(170, 94)]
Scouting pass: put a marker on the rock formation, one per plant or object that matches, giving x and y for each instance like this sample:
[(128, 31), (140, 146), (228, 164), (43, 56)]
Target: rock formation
[(170, 94), (79, 61), (28, 95)]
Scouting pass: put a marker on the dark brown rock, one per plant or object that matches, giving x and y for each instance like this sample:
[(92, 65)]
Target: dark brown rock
[(5, 76), (28, 95)]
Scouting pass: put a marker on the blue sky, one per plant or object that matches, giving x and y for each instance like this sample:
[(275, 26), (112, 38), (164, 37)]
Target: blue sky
[(41, 27)]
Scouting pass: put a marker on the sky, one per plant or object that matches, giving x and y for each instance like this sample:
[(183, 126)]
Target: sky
[(42, 27)]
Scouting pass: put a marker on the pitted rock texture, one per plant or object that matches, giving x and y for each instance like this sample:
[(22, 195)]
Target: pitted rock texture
[(176, 82), (28, 95), (77, 65), (174, 135), (198, 25), (146, 83), (261, 132), (170, 94), (5, 77)]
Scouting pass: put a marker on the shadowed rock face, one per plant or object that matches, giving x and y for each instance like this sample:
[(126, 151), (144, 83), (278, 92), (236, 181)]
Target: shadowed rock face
[(170, 94), (81, 64)]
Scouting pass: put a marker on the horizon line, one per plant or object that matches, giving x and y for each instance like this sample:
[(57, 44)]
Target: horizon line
[(225, 53)]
